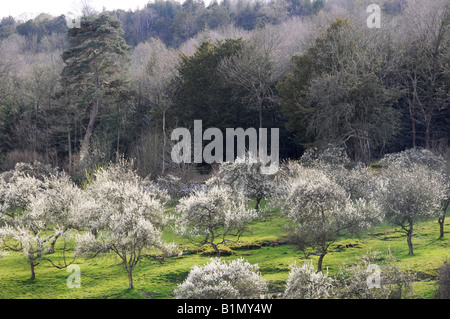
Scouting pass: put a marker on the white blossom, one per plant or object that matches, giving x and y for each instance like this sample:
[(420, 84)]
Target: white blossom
[(127, 218), (305, 283), (245, 176), (413, 156), (408, 193), (319, 208), (215, 213), (351, 282), (220, 280)]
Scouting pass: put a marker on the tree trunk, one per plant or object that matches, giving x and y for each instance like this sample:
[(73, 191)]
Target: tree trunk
[(118, 122), (216, 249), (410, 245), (441, 226), (413, 121), (319, 263), (69, 142), (214, 246), (260, 116), (87, 137), (130, 279), (258, 201), (427, 136), (52, 245), (118, 141), (413, 126), (409, 238), (164, 142), (33, 275), (442, 220)]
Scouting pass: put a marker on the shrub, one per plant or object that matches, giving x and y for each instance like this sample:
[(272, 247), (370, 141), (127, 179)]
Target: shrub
[(353, 277), (217, 279), (413, 156), (305, 283)]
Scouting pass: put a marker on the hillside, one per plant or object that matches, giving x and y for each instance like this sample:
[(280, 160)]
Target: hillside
[(263, 244)]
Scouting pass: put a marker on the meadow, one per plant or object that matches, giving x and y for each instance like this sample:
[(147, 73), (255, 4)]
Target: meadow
[(263, 243)]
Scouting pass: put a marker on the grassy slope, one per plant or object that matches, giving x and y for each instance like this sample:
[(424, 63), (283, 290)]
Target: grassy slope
[(105, 277)]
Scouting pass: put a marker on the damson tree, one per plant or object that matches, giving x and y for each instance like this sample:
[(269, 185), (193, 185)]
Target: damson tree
[(357, 179), (35, 227), (59, 199), (434, 163), (409, 194), (15, 191), (215, 214), (413, 156), (320, 210), (15, 196), (220, 280), (246, 176), (30, 240), (128, 220)]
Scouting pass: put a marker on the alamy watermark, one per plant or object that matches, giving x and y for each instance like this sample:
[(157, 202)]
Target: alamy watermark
[(374, 20), (74, 280), (374, 279), (190, 149), (73, 20)]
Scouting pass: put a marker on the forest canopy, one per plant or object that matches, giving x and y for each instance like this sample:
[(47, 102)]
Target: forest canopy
[(77, 98)]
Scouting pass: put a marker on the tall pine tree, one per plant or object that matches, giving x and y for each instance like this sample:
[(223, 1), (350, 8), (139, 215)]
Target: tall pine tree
[(96, 64)]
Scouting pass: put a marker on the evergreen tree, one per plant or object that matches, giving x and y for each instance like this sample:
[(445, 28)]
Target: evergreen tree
[(95, 66), (203, 93)]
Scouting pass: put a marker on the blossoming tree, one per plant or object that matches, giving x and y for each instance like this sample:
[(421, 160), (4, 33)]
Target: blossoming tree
[(409, 194), (39, 218), (215, 214), (245, 175), (319, 209), (128, 219)]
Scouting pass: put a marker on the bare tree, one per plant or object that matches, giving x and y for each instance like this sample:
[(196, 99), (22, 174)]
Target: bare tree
[(425, 70), (156, 68), (189, 47), (252, 71), (352, 110)]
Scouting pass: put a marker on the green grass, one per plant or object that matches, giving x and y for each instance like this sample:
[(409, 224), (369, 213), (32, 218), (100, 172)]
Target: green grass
[(104, 278)]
